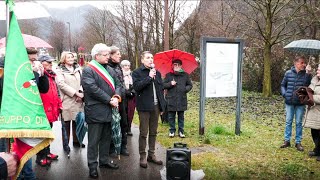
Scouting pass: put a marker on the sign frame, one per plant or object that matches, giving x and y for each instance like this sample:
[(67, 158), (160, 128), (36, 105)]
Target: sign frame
[(203, 71)]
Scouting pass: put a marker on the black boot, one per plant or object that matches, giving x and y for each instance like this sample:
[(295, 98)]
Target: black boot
[(124, 151)]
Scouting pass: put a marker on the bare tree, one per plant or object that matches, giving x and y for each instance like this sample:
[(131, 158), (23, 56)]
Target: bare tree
[(100, 26), (29, 26), (266, 21), (58, 35)]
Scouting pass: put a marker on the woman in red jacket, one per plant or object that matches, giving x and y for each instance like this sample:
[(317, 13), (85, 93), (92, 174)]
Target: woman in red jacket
[(52, 105)]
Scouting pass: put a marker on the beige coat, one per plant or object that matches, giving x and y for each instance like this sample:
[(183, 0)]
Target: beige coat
[(312, 116), (69, 83)]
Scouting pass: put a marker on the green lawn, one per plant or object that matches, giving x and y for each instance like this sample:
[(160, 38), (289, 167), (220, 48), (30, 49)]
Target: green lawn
[(255, 154)]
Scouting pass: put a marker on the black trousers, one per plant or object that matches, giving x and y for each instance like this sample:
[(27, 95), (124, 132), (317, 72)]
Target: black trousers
[(99, 138), (315, 133)]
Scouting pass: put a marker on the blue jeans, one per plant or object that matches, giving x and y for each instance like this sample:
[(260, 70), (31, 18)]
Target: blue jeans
[(291, 112), (27, 172), (172, 121)]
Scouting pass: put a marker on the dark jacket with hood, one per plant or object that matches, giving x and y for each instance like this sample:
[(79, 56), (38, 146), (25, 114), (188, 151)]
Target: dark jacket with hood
[(291, 82)]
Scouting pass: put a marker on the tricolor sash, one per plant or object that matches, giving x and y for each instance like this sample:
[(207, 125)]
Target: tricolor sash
[(102, 72)]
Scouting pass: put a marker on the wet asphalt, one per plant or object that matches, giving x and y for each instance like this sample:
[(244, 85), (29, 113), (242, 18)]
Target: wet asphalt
[(76, 166)]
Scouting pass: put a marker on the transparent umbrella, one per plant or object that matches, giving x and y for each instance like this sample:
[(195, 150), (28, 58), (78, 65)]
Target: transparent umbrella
[(25, 10), (304, 46)]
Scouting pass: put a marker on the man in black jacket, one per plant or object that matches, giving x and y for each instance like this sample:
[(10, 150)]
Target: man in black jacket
[(101, 94), (148, 85)]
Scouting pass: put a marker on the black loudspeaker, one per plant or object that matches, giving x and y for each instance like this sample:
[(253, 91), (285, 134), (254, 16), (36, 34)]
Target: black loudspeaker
[(178, 162)]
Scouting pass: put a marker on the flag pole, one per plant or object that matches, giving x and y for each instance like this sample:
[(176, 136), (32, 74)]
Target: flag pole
[(8, 19)]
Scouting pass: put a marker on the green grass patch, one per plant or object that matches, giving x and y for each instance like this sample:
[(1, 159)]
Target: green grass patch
[(255, 154)]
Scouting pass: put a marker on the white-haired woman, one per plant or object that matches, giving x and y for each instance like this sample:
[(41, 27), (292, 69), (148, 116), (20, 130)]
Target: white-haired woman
[(71, 94), (130, 93)]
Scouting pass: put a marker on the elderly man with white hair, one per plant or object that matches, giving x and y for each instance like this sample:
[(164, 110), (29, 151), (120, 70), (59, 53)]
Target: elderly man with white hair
[(101, 94)]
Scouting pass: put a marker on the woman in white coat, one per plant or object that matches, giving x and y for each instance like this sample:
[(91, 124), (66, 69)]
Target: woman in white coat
[(312, 119), (71, 94)]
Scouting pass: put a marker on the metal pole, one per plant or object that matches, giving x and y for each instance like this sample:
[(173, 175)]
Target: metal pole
[(166, 25), (239, 89), (7, 21), (69, 37), (203, 51)]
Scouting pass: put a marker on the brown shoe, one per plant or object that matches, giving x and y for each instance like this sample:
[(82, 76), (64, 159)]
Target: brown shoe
[(299, 147), (318, 158), (143, 162), (285, 144), (153, 159), (313, 154)]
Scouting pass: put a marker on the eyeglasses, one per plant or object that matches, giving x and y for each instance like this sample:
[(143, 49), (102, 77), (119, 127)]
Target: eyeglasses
[(175, 64)]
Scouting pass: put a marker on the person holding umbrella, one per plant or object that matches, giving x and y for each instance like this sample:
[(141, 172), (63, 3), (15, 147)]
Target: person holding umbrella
[(101, 95), (148, 85), (292, 80), (312, 116), (114, 63), (178, 84)]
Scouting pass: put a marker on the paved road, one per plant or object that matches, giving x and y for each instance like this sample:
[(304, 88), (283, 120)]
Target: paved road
[(76, 167)]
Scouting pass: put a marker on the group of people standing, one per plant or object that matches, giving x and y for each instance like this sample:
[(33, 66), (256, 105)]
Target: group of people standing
[(108, 83), (300, 76), (104, 84)]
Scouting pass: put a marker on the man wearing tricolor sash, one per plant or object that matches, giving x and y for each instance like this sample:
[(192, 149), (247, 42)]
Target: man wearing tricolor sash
[(101, 94)]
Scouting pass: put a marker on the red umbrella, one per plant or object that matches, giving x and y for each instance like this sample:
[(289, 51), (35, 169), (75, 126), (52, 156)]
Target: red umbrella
[(29, 41), (163, 61)]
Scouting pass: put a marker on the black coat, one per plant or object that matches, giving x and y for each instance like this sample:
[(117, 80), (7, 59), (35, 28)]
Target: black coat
[(142, 84), (177, 95), (97, 95), (122, 106), (119, 74)]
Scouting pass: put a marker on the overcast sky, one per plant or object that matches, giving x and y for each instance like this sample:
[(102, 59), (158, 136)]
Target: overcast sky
[(189, 6), (67, 4)]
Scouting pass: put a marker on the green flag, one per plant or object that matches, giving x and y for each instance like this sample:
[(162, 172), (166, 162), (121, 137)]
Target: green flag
[(22, 114)]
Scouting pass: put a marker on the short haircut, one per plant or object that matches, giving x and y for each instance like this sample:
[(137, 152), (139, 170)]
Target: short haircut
[(114, 49), (144, 53), (98, 48), (32, 51), (296, 59), (64, 56)]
